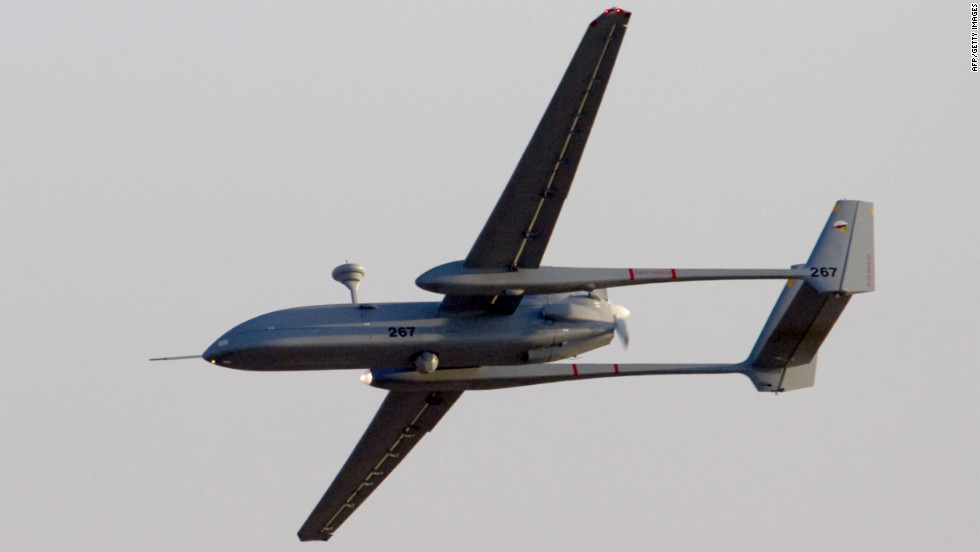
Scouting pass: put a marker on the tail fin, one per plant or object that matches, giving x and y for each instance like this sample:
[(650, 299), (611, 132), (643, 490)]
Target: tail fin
[(843, 259), (842, 263)]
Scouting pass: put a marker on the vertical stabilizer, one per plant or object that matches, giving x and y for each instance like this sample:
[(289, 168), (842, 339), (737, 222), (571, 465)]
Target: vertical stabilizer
[(785, 357), (844, 257), (842, 263)]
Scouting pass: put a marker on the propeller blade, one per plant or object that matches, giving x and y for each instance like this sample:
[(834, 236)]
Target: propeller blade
[(622, 331), (620, 313)]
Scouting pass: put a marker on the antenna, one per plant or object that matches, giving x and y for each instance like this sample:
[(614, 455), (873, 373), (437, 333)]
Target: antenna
[(350, 275)]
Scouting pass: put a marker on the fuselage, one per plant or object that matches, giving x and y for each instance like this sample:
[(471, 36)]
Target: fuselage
[(543, 328)]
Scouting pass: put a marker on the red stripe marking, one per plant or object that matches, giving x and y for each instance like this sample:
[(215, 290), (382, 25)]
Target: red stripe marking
[(575, 369), (616, 368), (631, 273), (673, 274)]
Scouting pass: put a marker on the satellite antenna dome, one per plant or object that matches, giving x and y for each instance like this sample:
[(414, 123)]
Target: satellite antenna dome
[(350, 275)]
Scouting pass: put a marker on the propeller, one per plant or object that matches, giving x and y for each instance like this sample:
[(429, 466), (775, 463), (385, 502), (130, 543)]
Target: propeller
[(620, 314)]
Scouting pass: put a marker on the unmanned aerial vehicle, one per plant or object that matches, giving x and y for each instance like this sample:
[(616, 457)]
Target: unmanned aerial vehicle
[(504, 318)]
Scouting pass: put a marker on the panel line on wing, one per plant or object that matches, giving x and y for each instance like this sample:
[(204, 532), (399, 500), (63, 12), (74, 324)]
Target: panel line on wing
[(328, 527), (528, 234), (521, 224)]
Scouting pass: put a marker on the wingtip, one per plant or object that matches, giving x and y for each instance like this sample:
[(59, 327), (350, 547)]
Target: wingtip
[(307, 536), (614, 12)]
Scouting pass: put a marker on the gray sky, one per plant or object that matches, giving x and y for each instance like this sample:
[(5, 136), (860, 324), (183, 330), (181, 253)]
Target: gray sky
[(171, 169)]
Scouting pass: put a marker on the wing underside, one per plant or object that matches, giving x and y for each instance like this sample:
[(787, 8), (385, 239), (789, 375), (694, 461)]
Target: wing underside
[(402, 420), (520, 226), (515, 236)]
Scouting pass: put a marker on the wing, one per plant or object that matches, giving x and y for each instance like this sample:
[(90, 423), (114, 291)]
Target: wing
[(520, 226), (404, 417)]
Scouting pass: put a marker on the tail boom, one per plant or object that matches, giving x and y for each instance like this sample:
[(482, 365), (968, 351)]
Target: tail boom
[(500, 377), (783, 359)]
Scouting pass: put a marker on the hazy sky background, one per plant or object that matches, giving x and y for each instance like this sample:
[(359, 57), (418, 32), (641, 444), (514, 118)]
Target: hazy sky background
[(171, 169)]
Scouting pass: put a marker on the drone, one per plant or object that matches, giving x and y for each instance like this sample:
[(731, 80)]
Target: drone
[(504, 318)]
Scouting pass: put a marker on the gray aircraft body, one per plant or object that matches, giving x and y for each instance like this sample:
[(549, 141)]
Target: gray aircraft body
[(504, 317)]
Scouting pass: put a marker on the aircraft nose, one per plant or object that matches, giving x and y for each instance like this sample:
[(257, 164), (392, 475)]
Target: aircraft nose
[(218, 352)]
